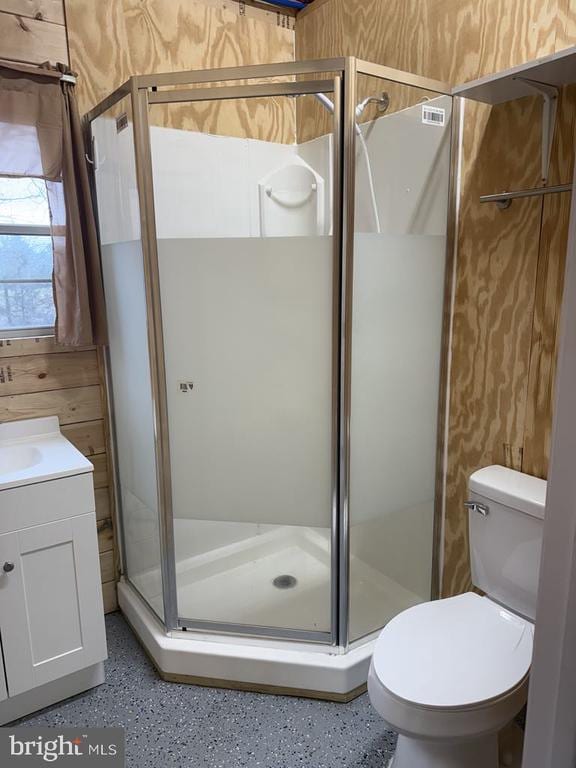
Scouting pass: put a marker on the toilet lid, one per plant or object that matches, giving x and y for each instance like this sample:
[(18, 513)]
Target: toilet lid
[(453, 653)]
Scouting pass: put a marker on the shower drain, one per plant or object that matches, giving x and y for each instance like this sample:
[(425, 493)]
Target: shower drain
[(286, 581)]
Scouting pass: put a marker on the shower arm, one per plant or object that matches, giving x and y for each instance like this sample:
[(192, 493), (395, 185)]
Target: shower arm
[(325, 101), (383, 102)]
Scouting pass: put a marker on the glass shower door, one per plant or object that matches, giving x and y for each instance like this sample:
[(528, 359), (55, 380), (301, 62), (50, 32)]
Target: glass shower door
[(249, 302), (401, 206), (130, 389)]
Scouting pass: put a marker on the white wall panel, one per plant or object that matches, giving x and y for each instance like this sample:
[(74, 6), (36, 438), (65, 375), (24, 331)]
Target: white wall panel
[(207, 186)]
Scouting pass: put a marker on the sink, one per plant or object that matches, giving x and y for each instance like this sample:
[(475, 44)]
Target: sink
[(17, 458), (35, 450)]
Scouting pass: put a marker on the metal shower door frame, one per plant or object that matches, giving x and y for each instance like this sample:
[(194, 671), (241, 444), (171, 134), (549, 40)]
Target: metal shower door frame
[(342, 72), (145, 98)]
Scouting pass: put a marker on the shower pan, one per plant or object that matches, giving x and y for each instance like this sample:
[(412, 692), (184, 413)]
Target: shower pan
[(276, 254)]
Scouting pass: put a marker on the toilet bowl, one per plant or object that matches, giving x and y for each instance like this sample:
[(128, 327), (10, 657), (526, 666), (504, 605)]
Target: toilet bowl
[(451, 674)]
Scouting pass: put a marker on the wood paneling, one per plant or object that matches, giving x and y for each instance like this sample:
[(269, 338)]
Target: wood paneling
[(105, 535), (70, 405), (108, 562), (42, 10), (114, 39), (509, 263), (110, 596), (102, 497), (43, 345), (100, 470), (36, 373), (31, 40), (107, 566), (87, 436)]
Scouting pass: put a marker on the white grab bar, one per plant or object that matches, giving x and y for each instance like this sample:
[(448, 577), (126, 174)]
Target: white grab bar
[(288, 202)]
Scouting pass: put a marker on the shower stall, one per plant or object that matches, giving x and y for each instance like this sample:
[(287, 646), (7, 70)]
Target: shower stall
[(275, 245)]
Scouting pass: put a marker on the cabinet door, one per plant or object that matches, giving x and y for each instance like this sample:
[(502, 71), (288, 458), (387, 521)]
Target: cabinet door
[(51, 613)]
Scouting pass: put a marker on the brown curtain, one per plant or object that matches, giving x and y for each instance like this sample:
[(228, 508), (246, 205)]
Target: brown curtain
[(41, 136)]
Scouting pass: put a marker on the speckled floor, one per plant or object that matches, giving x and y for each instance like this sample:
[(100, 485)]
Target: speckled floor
[(169, 725)]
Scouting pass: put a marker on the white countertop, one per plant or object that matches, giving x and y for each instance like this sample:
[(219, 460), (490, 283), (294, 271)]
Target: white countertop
[(34, 451)]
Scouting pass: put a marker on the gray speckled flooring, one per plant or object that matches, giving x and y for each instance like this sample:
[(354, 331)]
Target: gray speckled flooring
[(169, 725)]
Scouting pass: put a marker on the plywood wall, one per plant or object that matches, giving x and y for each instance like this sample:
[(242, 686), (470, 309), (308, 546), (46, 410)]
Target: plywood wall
[(510, 263), (548, 294), (113, 39), (450, 40)]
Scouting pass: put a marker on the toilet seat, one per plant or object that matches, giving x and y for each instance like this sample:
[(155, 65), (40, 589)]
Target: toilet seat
[(459, 653)]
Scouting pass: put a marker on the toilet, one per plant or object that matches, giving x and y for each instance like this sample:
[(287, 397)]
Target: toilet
[(451, 674)]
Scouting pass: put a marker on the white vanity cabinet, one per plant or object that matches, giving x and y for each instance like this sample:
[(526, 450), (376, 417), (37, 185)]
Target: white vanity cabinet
[(50, 594), (51, 612)]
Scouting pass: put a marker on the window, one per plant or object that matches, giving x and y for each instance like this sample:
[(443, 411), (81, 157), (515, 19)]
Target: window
[(26, 300)]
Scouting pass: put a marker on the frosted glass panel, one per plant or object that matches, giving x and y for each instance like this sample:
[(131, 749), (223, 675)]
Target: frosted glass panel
[(252, 340), (398, 292), (396, 346), (123, 273)]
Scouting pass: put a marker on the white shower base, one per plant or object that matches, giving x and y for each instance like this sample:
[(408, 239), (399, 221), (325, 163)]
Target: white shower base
[(225, 573), (233, 583), (303, 669)]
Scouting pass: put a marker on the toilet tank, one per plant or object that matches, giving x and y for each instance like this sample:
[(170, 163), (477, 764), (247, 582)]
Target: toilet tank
[(506, 518)]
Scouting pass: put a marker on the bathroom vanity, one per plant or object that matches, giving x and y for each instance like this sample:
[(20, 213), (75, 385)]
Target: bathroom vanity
[(51, 612)]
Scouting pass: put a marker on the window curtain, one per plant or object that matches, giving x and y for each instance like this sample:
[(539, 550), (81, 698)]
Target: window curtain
[(41, 136)]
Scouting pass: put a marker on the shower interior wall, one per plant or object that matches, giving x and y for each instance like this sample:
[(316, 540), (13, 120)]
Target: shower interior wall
[(208, 219)]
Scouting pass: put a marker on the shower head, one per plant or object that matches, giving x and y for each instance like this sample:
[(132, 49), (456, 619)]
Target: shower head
[(383, 103)]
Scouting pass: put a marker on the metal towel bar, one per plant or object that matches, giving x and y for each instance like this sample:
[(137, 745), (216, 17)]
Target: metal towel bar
[(504, 199)]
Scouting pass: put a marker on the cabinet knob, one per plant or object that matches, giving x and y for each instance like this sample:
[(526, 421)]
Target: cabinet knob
[(8, 566)]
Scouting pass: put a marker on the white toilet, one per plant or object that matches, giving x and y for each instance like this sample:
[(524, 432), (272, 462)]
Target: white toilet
[(449, 675)]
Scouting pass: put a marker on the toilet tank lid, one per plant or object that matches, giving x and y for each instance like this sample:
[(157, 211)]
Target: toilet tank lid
[(514, 489)]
